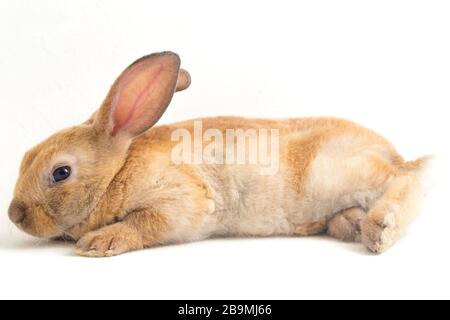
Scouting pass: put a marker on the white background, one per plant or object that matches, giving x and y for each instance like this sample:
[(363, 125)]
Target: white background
[(385, 64)]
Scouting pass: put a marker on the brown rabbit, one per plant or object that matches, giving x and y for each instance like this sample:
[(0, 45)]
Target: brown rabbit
[(112, 183)]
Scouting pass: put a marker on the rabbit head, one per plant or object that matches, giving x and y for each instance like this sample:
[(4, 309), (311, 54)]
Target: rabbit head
[(62, 179)]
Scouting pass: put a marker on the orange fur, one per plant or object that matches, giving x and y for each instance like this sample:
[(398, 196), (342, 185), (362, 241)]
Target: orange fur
[(311, 228), (126, 194)]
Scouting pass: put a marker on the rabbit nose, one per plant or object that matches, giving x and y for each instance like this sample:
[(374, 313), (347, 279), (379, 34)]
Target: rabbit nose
[(17, 211)]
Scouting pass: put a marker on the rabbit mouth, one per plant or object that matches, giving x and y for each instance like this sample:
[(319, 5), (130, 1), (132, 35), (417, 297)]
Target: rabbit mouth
[(33, 219)]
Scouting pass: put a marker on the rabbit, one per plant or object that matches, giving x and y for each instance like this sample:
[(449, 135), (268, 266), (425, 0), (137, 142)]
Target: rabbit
[(111, 186)]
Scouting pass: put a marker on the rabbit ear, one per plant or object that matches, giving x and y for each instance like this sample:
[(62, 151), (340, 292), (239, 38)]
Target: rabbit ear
[(140, 95), (184, 80)]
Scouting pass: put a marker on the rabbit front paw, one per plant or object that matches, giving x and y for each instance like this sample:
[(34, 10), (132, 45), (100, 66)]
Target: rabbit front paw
[(109, 241)]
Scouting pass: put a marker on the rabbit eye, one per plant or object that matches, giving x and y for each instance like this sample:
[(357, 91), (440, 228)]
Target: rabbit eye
[(61, 174)]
